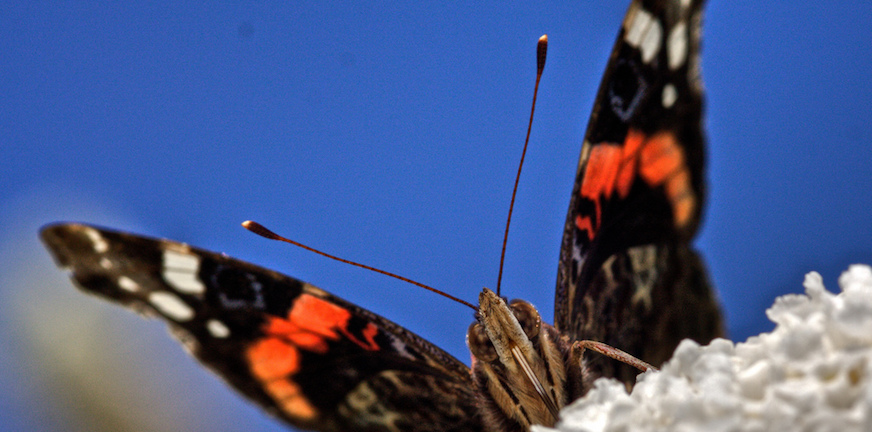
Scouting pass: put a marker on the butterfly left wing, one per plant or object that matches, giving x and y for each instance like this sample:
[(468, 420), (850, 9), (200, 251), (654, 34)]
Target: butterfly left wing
[(628, 275), (306, 356)]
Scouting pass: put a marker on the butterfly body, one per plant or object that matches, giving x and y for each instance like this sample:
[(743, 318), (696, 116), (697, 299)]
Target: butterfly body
[(627, 276)]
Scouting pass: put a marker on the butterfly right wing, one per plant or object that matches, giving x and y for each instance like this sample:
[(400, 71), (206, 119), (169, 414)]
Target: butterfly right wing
[(306, 356), (627, 274)]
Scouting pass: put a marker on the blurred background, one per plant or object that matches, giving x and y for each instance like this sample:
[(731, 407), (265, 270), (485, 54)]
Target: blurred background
[(388, 136)]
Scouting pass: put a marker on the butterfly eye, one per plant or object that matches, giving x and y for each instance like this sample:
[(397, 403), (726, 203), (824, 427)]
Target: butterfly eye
[(527, 316), (480, 344)]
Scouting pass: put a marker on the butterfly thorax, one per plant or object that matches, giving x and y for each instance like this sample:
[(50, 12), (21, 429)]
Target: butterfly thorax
[(519, 365)]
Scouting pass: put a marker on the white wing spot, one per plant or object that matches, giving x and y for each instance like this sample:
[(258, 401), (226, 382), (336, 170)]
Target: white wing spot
[(676, 46), (651, 42), (180, 271), (128, 284), (401, 348), (99, 244), (636, 27), (217, 329), (171, 306), (643, 31), (670, 95), (106, 263)]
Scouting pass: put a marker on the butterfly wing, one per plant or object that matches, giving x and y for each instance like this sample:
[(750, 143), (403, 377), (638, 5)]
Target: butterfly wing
[(627, 275), (308, 357)]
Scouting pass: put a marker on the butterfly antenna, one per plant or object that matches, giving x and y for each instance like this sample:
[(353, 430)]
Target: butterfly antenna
[(266, 233), (541, 50)]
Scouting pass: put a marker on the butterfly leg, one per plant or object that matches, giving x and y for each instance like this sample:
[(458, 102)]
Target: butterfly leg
[(609, 351), (580, 381)]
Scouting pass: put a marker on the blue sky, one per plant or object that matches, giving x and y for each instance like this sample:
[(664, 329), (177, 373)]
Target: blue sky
[(388, 136)]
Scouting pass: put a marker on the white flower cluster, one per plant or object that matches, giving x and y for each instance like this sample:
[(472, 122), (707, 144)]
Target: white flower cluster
[(812, 373)]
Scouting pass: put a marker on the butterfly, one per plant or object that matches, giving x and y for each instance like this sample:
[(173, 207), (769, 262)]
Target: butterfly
[(627, 277)]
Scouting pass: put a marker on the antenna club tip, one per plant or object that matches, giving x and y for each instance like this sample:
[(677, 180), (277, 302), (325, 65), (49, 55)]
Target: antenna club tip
[(253, 226), (260, 230), (541, 52)]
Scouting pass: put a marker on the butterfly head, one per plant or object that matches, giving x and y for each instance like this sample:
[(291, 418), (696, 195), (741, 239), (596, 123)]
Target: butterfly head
[(517, 361), (501, 328)]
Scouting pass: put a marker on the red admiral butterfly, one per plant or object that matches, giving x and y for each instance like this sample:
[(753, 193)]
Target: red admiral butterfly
[(626, 277)]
